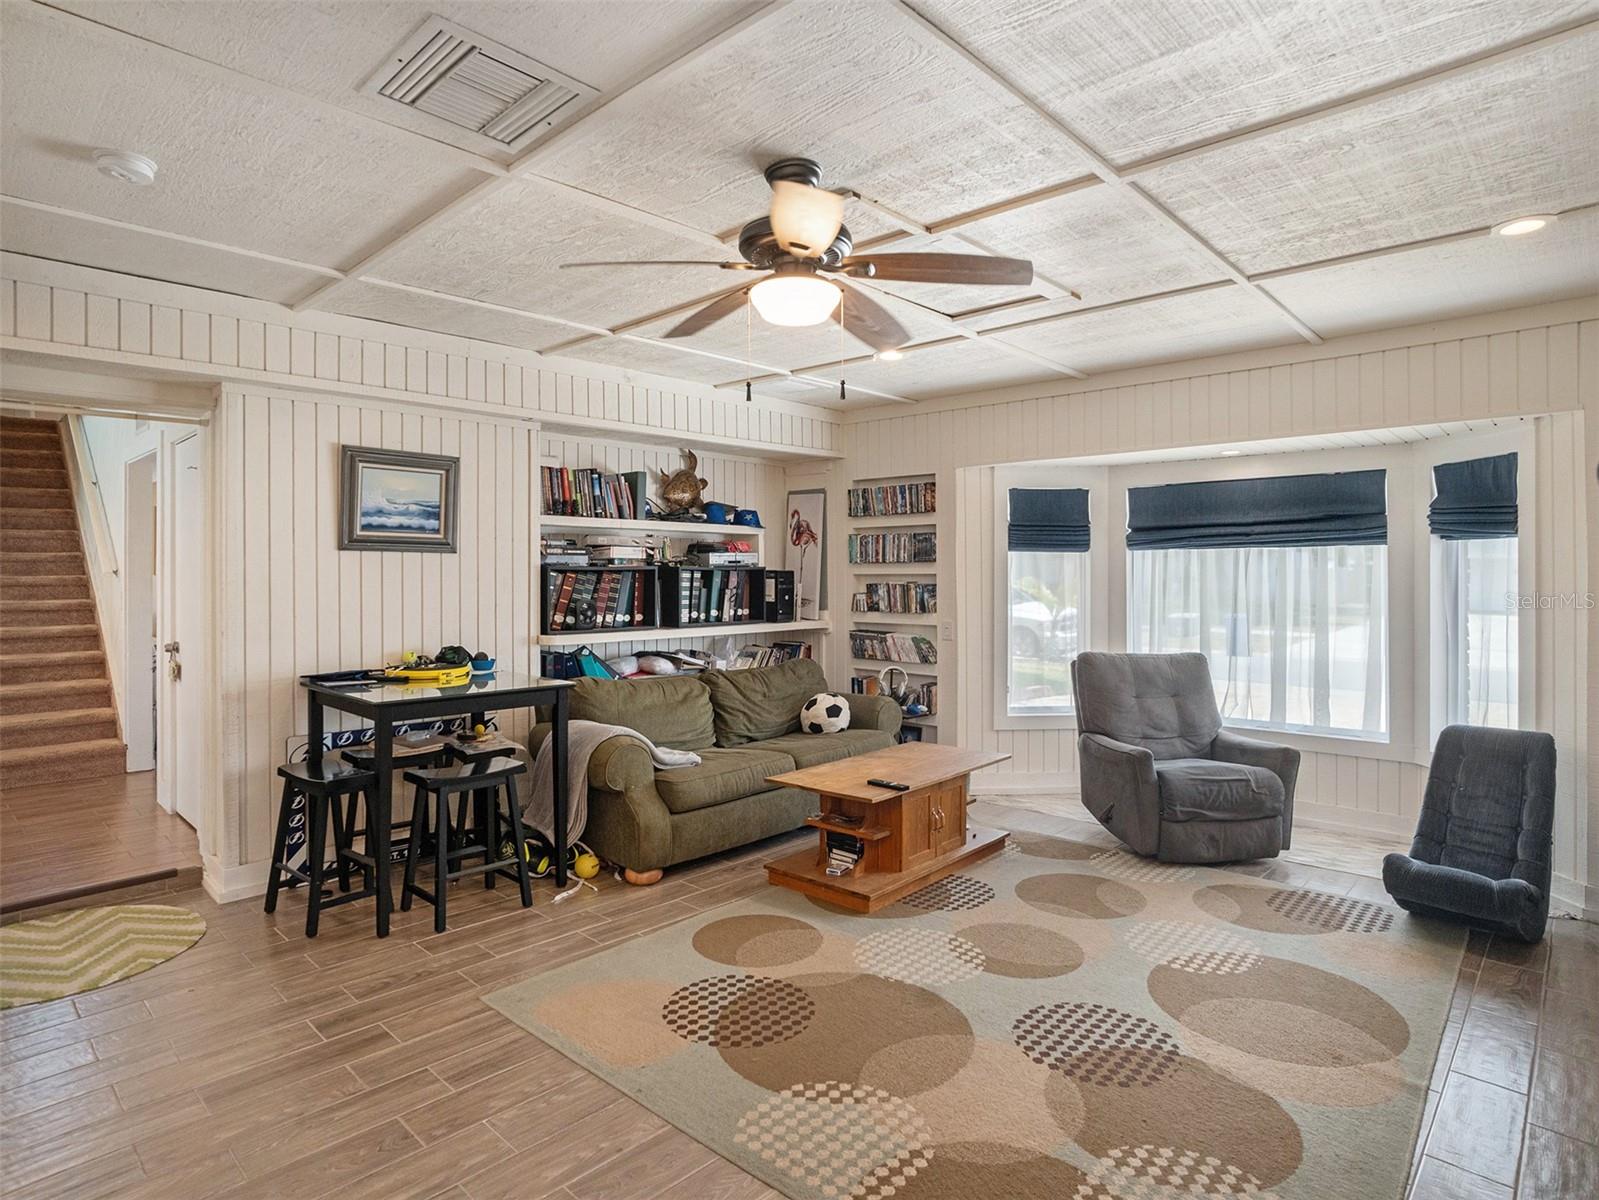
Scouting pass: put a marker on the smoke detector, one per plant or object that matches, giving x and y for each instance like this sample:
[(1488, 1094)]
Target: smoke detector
[(125, 166)]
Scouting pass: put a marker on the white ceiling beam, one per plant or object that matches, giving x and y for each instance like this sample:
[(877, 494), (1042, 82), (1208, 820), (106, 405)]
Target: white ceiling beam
[(1469, 64), (1007, 89), (600, 331), (525, 163), (185, 239)]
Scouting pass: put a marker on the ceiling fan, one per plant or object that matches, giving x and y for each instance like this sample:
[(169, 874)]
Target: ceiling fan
[(806, 248)]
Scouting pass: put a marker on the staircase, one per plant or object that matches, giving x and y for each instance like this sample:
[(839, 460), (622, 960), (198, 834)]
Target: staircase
[(57, 716)]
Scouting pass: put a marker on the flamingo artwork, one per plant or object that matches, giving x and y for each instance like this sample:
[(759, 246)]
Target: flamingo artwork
[(803, 537)]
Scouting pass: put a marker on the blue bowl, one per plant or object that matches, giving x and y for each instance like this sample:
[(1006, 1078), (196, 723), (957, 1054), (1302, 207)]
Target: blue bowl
[(483, 666)]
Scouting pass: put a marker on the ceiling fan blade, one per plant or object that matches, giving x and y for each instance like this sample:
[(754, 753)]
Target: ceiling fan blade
[(805, 219), (940, 268), (724, 305), (664, 262), (868, 321)]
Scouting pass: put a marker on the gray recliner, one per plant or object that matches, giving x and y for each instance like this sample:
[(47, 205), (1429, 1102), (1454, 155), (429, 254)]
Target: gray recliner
[(1482, 844), (1160, 772)]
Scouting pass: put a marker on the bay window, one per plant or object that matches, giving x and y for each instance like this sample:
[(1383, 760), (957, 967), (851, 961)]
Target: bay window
[(1047, 597), (1473, 520), (1282, 583)]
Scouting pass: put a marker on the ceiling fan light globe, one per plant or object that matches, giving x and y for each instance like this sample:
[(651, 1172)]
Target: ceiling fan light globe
[(794, 299)]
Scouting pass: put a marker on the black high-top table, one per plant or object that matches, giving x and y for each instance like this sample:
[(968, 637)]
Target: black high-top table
[(384, 704)]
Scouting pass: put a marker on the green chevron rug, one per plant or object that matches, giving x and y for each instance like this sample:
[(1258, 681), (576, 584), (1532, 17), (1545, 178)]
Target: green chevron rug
[(86, 948)]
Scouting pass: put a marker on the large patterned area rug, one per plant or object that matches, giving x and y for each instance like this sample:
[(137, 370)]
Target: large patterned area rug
[(1060, 1021), (86, 948)]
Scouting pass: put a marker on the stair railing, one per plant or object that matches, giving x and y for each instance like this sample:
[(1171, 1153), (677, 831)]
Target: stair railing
[(99, 550)]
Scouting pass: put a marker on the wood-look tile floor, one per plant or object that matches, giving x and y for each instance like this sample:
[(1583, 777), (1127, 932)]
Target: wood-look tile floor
[(260, 1064), (88, 833)]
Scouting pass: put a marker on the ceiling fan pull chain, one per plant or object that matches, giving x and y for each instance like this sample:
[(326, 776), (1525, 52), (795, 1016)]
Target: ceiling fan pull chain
[(749, 348), (842, 297)]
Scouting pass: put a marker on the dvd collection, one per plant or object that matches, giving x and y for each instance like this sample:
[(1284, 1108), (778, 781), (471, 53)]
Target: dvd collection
[(893, 547), (902, 597), (893, 499), (892, 647)]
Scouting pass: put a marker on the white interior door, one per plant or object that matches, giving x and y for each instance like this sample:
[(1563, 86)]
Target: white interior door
[(138, 611), (188, 633)]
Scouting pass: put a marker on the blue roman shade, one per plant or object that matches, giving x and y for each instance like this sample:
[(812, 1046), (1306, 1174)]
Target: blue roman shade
[(1346, 508), (1475, 499), (1048, 519)]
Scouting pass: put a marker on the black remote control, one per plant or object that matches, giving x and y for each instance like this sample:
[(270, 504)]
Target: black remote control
[(888, 783)]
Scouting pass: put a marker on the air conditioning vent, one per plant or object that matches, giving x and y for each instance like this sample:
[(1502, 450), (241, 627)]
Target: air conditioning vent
[(493, 93)]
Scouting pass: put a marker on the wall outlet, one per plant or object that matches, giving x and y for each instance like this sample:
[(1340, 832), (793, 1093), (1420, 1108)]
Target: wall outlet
[(946, 631)]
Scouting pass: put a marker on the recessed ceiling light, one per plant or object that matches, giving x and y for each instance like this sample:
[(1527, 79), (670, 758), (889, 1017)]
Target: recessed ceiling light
[(1521, 226), (890, 355), (125, 166), (1231, 453)]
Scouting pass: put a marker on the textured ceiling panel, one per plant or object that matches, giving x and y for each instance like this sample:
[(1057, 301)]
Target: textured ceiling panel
[(111, 248), (293, 180), (508, 250), (1136, 78), (967, 366), (1478, 274), (851, 85), (1461, 154), (658, 360), (328, 50), (446, 316), (1099, 242), (1213, 322)]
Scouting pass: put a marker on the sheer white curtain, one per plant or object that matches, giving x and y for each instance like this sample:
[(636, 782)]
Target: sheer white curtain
[(1048, 616), (1474, 604), (1297, 637)]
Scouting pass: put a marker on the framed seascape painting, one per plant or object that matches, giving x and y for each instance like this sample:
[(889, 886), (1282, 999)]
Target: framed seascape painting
[(396, 500), (804, 551)]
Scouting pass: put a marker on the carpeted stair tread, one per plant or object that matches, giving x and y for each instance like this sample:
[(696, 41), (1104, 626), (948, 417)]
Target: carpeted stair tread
[(16, 614), (44, 587), (15, 639), (35, 497), (40, 562), (53, 695), (17, 523), (61, 725), (44, 665), (33, 457), (91, 759), (29, 476)]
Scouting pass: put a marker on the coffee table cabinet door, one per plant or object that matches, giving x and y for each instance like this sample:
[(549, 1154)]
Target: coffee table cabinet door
[(948, 805), (918, 835)]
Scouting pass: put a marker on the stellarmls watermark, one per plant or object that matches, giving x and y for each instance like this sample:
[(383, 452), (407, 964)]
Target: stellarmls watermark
[(1549, 601)]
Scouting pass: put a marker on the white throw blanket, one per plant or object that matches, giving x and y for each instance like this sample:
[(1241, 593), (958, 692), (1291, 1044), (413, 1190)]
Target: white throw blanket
[(582, 739)]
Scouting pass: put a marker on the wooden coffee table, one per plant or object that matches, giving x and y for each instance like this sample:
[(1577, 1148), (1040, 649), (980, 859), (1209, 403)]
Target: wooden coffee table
[(910, 838)]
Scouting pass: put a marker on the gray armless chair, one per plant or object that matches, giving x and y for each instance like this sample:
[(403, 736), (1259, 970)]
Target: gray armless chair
[(1160, 772), (1481, 850)]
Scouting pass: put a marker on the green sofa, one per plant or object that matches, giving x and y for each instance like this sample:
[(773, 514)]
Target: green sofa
[(743, 724)]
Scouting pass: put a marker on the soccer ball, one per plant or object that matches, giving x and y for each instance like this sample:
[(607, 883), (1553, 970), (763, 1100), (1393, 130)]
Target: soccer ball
[(825, 712)]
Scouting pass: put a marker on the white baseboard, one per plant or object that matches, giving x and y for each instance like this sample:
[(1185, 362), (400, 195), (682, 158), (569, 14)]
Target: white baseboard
[(1348, 820), (1024, 784), (1566, 895), (227, 884)]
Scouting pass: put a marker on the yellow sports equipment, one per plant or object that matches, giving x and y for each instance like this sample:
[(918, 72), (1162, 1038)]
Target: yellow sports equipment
[(430, 676)]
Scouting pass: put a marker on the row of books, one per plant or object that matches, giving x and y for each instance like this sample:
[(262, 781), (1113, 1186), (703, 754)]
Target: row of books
[(585, 492), (892, 647), (925, 695), (595, 600), (711, 595), (893, 547), (892, 499), (905, 596), (769, 656)]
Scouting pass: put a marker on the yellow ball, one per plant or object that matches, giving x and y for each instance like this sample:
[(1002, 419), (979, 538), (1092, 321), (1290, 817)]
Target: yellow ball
[(480, 730), (587, 866)]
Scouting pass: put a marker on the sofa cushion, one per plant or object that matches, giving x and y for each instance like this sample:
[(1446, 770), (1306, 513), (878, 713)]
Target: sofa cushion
[(809, 749), (1200, 789), (726, 774), (670, 710), (764, 702)]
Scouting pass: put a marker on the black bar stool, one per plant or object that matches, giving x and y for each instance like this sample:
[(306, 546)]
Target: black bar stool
[(477, 756), (434, 789), (330, 792), (405, 756)]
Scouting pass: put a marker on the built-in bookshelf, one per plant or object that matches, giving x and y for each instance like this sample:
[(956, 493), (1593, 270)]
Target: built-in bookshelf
[(892, 556)]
